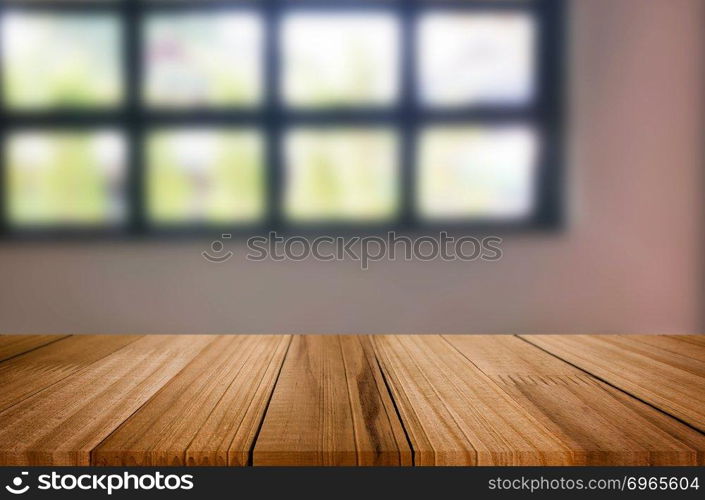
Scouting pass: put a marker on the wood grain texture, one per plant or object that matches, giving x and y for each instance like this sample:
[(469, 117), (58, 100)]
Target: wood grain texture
[(687, 356), (456, 415), (33, 371), (331, 407), (62, 424), (208, 414), (665, 380), (600, 424), (14, 345), (691, 339), (353, 400)]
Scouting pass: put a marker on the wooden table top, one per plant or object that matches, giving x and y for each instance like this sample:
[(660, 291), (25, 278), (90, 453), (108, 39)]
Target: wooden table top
[(352, 400)]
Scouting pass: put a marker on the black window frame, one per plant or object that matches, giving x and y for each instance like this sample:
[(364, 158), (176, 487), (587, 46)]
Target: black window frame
[(135, 119)]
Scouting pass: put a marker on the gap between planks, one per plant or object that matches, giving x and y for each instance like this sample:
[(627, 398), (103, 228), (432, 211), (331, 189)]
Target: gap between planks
[(202, 420), (63, 423), (15, 345), (673, 382), (331, 407), (602, 424), (528, 408), (37, 370)]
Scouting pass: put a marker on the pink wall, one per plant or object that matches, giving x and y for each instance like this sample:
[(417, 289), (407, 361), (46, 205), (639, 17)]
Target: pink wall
[(631, 259)]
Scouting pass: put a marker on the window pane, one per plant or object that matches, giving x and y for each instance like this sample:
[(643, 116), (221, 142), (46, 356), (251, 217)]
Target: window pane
[(203, 59), (473, 172), (61, 60), (340, 59), (205, 175), (341, 174), (65, 178), (476, 58)]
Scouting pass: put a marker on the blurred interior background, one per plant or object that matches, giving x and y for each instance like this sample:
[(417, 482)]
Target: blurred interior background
[(628, 258)]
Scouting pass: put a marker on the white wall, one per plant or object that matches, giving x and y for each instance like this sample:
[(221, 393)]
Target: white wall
[(631, 259)]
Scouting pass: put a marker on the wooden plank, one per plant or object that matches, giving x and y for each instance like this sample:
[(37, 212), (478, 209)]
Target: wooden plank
[(666, 348), (206, 415), (14, 345), (231, 427), (29, 373), (331, 407), (624, 364), (691, 339), (600, 424), (456, 415), (687, 357), (62, 424)]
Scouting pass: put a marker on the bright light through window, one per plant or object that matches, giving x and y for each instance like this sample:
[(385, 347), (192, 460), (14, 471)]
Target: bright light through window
[(212, 176), (339, 174), (476, 59), (203, 59), (340, 60), (466, 172), (66, 179), (61, 60)]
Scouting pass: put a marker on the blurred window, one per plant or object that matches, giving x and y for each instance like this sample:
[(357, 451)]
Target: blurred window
[(150, 116), (61, 60), (205, 176), (341, 174), (203, 59), (340, 60), (60, 177)]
